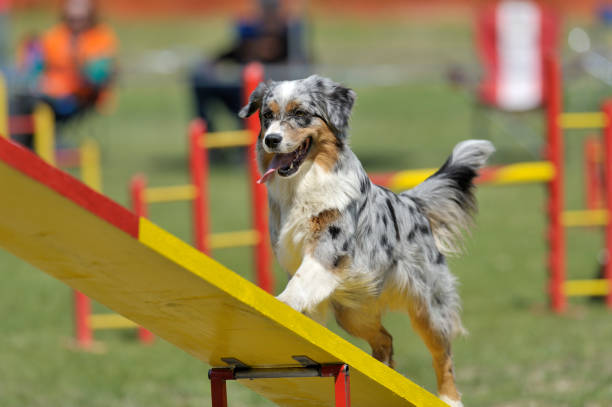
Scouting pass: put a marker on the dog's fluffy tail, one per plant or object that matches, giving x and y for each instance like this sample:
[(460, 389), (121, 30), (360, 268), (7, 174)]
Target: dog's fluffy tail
[(447, 197)]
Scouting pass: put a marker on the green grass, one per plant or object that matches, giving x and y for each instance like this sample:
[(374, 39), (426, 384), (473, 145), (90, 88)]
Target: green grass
[(517, 353)]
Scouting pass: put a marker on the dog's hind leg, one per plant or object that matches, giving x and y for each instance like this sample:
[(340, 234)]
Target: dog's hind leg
[(365, 323), (440, 349)]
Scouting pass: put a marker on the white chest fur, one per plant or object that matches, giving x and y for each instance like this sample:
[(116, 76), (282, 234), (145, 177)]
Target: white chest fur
[(301, 197)]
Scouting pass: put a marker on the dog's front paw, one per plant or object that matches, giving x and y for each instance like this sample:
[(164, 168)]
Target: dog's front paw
[(290, 300), (451, 402)]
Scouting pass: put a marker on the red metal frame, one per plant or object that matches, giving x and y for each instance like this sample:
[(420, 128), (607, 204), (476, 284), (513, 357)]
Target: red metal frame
[(556, 233), (198, 166), (607, 110), (340, 373), (253, 74), (82, 310), (138, 185)]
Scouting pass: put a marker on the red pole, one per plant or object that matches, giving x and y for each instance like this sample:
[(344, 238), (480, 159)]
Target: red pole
[(607, 109), (556, 233), (252, 76), (82, 310), (218, 391), (342, 387), (198, 166), (138, 184)]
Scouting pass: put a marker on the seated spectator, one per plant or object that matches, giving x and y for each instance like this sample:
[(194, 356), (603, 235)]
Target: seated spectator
[(270, 38), (71, 66)]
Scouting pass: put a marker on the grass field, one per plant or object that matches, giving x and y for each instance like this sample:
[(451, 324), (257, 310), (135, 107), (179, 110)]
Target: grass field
[(517, 353)]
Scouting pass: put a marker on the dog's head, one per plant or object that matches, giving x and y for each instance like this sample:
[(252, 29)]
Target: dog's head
[(300, 120)]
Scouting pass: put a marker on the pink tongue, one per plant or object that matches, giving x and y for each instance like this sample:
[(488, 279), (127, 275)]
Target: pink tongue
[(279, 160), (267, 175)]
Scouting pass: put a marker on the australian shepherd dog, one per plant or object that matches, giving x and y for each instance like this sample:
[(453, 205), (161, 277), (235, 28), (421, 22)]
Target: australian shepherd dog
[(354, 246)]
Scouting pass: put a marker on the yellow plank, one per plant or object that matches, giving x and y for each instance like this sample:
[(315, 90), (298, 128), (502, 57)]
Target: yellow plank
[(187, 298), (170, 194), (225, 139), (110, 321), (90, 164), (586, 287), (44, 133), (410, 178), (598, 217), (588, 120), (519, 173), (4, 113), (523, 173), (234, 239)]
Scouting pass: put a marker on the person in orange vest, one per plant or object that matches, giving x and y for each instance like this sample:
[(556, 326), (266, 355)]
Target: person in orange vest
[(71, 66), (78, 60)]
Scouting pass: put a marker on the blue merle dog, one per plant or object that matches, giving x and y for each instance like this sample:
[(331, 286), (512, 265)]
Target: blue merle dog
[(353, 245)]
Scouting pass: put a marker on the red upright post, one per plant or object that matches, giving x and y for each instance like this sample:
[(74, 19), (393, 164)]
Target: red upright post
[(82, 310), (252, 76), (198, 166), (556, 233), (342, 383), (607, 110), (138, 184), (218, 391)]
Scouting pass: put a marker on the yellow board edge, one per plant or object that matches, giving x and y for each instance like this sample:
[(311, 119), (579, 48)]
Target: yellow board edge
[(583, 120), (170, 194), (110, 321), (585, 218), (233, 285), (578, 288), (234, 239)]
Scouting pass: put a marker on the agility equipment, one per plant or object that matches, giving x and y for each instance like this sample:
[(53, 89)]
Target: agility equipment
[(154, 279), (86, 157), (200, 143), (512, 39), (551, 172)]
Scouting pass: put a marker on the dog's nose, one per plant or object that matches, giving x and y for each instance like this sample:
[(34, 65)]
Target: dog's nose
[(273, 140)]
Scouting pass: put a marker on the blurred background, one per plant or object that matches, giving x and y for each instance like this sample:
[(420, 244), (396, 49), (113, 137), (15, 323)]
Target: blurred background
[(130, 76)]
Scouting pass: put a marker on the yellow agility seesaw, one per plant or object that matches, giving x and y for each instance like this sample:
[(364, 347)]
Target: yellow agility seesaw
[(84, 239)]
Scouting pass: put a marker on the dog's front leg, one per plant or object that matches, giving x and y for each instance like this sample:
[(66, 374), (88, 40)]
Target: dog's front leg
[(310, 286)]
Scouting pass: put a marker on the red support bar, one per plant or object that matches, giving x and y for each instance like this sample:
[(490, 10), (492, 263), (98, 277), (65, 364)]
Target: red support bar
[(218, 391), (340, 373), (252, 76), (342, 383), (138, 184), (198, 166), (556, 233), (607, 110), (82, 311)]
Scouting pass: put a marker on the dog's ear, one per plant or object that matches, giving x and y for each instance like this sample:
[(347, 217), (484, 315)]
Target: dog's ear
[(336, 102), (254, 101)]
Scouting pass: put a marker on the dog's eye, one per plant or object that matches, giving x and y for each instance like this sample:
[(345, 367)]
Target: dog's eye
[(268, 115), (299, 113)]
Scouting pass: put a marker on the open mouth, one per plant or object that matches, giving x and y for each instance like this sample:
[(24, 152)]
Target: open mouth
[(287, 164)]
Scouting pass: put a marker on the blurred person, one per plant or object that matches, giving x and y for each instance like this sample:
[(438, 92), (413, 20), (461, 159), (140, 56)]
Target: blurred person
[(70, 67), (4, 34), (270, 37)]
